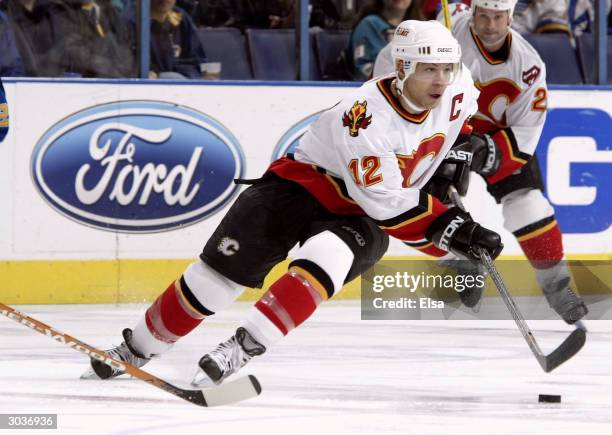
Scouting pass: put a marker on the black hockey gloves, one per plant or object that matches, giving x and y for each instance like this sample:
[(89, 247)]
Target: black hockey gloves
[(486, 156), (455, 231), (453, 171)]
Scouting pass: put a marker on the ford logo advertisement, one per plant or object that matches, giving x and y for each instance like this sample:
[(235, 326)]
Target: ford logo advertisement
[(290, 140), (137, 166)]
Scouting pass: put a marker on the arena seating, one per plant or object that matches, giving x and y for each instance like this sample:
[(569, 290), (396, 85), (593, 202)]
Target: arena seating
[(329, 46), (586, 54), (559, 56), (270, 54), (273, 54), (226, 45)]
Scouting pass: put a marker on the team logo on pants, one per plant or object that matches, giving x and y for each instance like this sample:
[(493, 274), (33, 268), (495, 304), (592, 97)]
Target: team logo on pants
[(228, 246), (356, 118)]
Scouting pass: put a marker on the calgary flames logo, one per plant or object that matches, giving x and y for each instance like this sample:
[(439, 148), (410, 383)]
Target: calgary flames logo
[(356, 118)]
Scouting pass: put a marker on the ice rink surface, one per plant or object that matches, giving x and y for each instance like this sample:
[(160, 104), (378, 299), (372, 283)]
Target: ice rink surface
[(334, 375)]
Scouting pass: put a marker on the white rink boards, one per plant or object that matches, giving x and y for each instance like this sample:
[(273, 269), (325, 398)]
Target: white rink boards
[(71, 234)]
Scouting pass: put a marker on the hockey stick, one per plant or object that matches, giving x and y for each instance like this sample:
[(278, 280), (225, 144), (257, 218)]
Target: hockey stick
[(570, 346), (447, 22), (226, 393)]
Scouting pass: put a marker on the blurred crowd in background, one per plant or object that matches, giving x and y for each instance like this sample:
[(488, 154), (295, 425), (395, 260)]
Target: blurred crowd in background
[(98, 38)]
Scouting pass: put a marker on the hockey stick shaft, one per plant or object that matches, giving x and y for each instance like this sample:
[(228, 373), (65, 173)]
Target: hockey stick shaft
[(570, 346), (514, 311), (194, 396), (501, 287), (446, 13)]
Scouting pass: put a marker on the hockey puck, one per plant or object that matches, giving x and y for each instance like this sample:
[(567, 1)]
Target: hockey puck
[(549, 398)]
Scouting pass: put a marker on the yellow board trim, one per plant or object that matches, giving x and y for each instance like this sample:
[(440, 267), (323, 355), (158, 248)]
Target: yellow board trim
[(140, 281)]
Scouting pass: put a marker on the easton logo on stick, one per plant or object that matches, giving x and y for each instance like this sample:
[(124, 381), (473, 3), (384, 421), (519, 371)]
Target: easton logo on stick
[(59, 337)]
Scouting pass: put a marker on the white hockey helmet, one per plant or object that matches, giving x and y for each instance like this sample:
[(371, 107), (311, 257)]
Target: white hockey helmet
[(425, 42), (499, 5)]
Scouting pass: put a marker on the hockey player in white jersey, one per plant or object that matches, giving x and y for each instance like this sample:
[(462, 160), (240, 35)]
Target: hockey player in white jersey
[(362, 172), (511, 78)]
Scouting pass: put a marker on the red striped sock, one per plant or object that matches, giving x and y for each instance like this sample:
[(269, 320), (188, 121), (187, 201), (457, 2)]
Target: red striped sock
[(289, 302), (545, 249), (171, 316)]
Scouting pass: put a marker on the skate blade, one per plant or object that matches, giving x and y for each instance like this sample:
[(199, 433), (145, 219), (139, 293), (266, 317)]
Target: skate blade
[(201, 380), (90, 374), (476, 308)]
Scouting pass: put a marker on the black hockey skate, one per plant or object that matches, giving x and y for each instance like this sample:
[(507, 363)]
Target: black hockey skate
[(555, 282), (471, 296), (124, 352), (228, 357), (565, 301)]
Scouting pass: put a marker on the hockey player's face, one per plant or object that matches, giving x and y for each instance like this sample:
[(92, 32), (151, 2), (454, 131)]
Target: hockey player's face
[(427, 84), (491, 26)]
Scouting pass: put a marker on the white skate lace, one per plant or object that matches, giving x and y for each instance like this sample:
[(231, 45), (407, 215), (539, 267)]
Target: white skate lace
[(121, 353), (229, 356), (124, 354), (563, 300)]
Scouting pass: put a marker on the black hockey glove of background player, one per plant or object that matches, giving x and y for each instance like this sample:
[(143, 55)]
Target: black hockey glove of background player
[(455, 231), (485, 154), (453, 171)]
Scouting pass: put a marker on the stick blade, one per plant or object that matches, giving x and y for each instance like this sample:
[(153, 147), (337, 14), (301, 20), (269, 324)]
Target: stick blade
[(231, 392), (228, 392), (570, 347)]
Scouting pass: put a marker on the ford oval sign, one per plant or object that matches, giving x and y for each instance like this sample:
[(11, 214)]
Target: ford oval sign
[(290, 140), (137, 166)]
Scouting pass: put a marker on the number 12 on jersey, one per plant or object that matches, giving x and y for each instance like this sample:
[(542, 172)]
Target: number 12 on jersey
[(370, 165)]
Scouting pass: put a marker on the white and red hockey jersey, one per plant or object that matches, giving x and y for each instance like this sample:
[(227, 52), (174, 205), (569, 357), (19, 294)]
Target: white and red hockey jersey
[(513, 94), (368, 155)]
